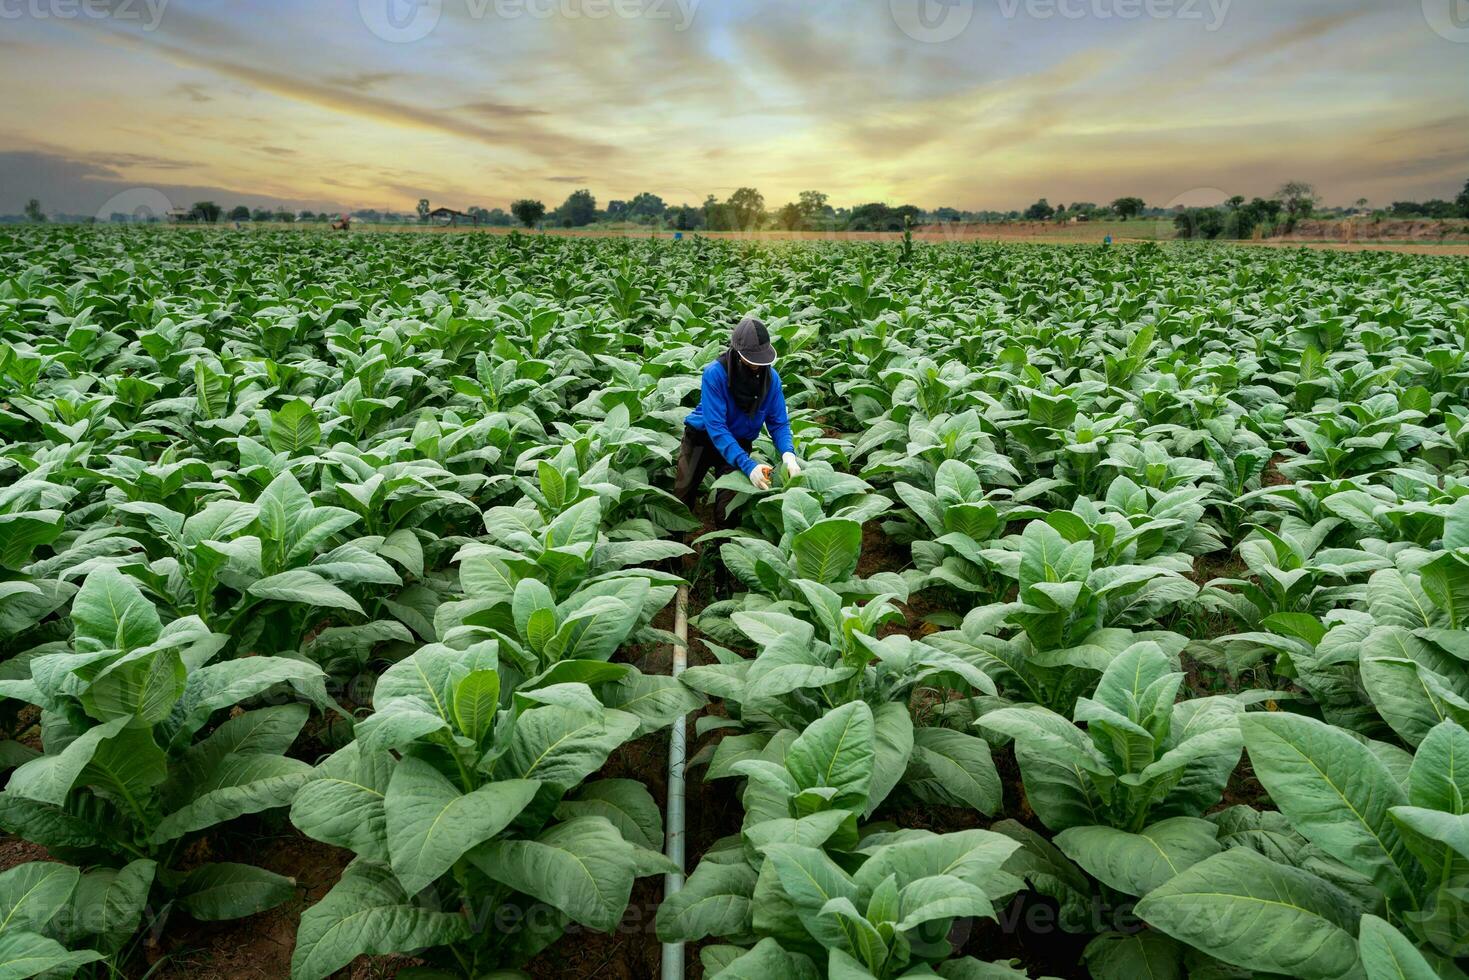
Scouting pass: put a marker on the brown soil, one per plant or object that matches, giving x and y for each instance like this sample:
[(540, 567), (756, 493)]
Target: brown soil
[(15, 851), (259, 946)]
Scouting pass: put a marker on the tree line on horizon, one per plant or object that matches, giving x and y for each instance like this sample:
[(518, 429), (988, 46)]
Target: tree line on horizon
[(746, 210)]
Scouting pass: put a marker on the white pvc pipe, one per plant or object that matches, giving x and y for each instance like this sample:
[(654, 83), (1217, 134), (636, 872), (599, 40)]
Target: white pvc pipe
[(673, 838)]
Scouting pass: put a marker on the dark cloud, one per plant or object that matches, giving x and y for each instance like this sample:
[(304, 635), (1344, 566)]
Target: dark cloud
[(579, 179), (193, 91), (78, 186)]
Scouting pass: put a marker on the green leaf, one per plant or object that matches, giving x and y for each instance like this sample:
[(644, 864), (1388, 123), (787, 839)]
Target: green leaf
[(561, 746), (714, 901), (656, 700), (893, 730), (1335, 792), (293, 428), (1388, 955), (1439, 777), (431, 824), (476, 700), (25, 954), (31, 894), (305, 587), (110, 612), (1247, 910), (342, 802), (221, 891), (581, 867), (837, 750), (244, 782), (366, 913), (1135, 864), (954, 768), (828, 550), (109, 903), (625, 803), (49, 778), (1122, 956)]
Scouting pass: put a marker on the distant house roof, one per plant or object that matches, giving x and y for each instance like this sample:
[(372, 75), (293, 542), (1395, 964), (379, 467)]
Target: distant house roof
[(452, 216)]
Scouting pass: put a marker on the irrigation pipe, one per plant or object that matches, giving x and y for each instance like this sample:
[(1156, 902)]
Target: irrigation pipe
[(673, 838)]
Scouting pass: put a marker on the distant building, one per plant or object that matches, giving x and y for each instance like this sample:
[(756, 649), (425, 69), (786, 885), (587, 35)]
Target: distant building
[(448, 216)]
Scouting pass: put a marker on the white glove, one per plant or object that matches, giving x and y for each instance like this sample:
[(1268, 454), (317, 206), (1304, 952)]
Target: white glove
[(793, 465), (760, 476)]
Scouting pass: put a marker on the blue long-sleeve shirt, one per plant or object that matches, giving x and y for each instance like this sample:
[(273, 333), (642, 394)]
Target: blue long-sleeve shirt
[(726, 424)]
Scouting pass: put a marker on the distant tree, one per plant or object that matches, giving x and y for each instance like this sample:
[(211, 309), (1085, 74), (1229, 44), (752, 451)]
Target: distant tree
[(239, 213), (1199, 222), (207, 212), (1039, 211), (790, 218), (746, 208), (1299, 199), (286, 217), (1128, 207), (423, 209), (528, 212), (616, 211), (308, 215), (1236, 202), (34, 212), (118, 218), (815, 211), (647, 208), (946, 215), (1361, 204), (578, 210), (685, 217), (717, 216), (1463, 201), (497, 217)]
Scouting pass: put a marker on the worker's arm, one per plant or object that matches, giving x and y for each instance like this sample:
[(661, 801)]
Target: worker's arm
[(714, 402), (776, 420)]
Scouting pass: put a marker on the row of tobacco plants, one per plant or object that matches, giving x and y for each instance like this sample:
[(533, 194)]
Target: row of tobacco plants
[(1162, 628)]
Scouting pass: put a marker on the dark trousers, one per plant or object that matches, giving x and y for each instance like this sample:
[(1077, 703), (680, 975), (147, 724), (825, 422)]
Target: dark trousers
[(696, 457)]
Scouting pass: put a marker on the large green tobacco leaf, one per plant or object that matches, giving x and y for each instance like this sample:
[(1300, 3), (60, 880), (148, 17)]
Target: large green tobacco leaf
[(625, 803), (109, 903), (1245, 909), (431, 824), (26, 954), (1135, 864), (111, 613), (828, 550), (342, 803), (1439, 777), (581, 867), (216, 892), (1335, 791), (714, 901), (367, 912), (240, 783), (560, 746), (954, 768), (49, 778), (1388, 955), (31, 894), (837, 751)]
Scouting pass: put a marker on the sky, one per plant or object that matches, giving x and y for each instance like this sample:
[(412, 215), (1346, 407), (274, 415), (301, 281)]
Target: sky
[(974, 104)]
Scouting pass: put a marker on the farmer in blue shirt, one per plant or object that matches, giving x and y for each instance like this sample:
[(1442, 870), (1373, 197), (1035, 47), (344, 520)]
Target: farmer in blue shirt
[(741, 394)]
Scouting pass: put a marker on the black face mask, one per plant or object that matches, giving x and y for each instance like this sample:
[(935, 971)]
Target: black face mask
[(747, 386)]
